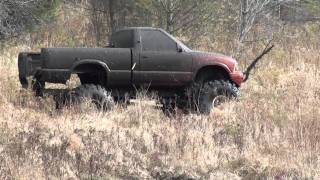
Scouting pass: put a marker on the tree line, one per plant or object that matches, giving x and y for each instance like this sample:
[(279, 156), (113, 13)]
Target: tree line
[(191, 18)]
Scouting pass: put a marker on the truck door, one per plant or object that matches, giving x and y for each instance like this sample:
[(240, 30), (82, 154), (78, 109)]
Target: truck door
[(120, 58), (161, 64)]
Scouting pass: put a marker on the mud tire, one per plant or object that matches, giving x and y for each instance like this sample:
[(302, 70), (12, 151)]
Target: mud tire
[(96, 93), (204, 96)]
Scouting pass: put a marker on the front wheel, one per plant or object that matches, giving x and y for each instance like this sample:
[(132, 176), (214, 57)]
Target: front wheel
[(210, 94)]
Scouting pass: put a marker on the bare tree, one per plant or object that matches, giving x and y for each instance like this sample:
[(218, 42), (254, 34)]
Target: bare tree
[(18, 15), (112, 21), (183, 14), (169, 7), (300, 11), (251, 10), (96, 19), (14, 16)]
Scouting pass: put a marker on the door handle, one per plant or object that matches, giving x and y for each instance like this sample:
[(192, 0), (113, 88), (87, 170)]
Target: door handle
[(144, 57), (134, 66)]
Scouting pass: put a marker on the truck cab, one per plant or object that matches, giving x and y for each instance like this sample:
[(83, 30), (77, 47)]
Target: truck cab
[(158, 59)]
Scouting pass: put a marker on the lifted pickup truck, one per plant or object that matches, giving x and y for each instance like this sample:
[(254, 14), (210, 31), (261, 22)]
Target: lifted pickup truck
[(137, 57)]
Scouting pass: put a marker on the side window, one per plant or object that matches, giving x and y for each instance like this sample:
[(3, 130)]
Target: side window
[(123, 39), (157, 41)]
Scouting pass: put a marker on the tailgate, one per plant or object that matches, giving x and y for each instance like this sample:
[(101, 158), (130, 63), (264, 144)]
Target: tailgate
[(28, 64)]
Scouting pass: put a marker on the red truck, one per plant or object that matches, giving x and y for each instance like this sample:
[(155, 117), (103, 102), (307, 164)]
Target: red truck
[(136, 57)]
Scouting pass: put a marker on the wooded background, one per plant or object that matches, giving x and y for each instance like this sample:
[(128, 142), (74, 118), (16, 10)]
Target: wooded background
[(231, 23), (271, 132)]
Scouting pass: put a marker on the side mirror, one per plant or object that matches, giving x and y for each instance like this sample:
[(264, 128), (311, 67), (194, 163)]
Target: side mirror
[(179, 48)]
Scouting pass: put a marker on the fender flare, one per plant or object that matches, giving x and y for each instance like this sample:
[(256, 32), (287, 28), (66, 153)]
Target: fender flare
[(225, 67), (90, 61)]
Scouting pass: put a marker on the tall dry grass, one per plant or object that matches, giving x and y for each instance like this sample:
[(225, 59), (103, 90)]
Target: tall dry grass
[(271, 132)]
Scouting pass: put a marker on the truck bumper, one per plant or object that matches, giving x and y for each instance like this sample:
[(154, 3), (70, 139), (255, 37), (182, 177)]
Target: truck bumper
[(28, 65), (237, 77)]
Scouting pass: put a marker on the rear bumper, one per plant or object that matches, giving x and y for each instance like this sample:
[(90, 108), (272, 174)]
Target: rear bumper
[(47, 75), (237, 77), (28, 65)]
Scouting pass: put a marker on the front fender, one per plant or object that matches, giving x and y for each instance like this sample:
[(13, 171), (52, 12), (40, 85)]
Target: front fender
[(216, 64)]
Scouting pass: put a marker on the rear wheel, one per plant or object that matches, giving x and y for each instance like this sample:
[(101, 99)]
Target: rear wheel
[(94, 93)]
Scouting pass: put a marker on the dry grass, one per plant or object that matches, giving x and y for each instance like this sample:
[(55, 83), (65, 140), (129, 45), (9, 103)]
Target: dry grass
[(272, 132)]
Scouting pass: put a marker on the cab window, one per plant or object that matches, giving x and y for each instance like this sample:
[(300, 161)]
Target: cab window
[(157, 41), (122, 39)]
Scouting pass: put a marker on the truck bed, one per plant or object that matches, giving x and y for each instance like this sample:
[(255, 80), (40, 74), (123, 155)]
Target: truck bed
[(55, 65)]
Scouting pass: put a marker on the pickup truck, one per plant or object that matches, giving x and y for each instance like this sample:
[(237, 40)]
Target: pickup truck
[(136, 57)]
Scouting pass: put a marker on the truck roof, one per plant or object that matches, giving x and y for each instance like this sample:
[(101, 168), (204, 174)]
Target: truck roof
[(134, 28)]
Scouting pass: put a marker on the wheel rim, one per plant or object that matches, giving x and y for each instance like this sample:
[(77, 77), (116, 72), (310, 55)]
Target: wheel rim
[(218, 101)]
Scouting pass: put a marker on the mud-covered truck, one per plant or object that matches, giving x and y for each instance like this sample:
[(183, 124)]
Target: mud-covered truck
[(135, 58)]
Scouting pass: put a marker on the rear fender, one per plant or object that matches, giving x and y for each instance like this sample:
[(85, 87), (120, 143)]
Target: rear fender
[(90, 61)]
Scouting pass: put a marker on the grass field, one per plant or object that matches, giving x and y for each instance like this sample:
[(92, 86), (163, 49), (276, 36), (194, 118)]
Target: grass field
[(271, 132)]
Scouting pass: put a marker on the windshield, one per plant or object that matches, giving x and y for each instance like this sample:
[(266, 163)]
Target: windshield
[(183, 46)]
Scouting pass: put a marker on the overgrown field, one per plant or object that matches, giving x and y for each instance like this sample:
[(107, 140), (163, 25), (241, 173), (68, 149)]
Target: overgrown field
[(271, 132)]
